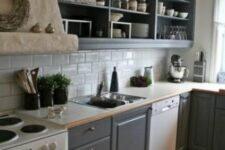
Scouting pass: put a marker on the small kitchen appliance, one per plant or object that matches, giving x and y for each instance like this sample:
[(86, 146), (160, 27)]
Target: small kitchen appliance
[(177, 72)]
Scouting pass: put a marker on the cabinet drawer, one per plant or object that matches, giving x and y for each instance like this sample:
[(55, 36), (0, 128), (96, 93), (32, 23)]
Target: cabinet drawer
[(220, 102), (103, 144), (88, 133)]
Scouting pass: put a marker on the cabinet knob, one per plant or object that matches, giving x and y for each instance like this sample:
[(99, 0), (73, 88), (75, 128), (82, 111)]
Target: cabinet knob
[(44, 147), (92, 128), (53, 146)]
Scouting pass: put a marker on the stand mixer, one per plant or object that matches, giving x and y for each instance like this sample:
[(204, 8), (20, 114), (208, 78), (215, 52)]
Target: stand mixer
[(177, 72)]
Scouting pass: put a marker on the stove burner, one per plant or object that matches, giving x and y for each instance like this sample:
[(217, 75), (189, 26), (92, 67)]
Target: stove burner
[(10, 121), (33, 129), (7, 136)]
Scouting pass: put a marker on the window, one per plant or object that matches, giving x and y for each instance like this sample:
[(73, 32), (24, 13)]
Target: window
[(218, 51)]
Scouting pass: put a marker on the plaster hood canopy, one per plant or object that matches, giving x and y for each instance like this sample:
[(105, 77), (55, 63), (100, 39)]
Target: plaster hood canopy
[(22, 41)]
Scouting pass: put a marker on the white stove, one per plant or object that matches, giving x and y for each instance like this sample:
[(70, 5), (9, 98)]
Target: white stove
[(20, 132)]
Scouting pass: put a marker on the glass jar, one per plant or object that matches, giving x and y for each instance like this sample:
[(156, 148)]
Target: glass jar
[(117, 3), (133, 5), (142, 6), (125, 4)]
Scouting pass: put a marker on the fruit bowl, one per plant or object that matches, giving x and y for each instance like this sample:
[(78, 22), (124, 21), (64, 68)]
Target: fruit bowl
[(140, 81)]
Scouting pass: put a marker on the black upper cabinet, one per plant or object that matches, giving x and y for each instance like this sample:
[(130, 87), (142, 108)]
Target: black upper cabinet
[(94, 26), (202, 121)]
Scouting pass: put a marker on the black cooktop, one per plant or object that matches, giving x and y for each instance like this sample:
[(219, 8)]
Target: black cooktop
[(6, 136), (10, 121), (33, 129)]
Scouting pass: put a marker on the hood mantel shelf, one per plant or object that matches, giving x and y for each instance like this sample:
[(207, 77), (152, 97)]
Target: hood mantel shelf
[(36, 43), (24, 42)]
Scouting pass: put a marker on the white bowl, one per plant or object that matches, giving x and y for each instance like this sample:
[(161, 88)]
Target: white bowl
[(116, 16), (100, 3), (183, 14), (117, 33), (170, 12)]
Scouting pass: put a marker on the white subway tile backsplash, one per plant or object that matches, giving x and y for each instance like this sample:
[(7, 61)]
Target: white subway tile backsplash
[(42, 60), (105, 56), (11, 102), (117, 55), (92, 57), (60, 59), (77, 58), (7, 76), (72, 92), (84, 90), (122, 64), (21, 61), (69, 70), (128, 55), (5, 62), (91, 78), (15, 89), (5, 90), (78, 80), (84, 68), (51, 70)]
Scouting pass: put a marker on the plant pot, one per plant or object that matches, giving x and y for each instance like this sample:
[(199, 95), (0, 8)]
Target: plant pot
[(46, 98), (31, 101), (60, 96)]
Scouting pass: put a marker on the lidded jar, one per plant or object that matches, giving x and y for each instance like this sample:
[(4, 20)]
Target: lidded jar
[(133, 5), (125, 4), (142, 6)]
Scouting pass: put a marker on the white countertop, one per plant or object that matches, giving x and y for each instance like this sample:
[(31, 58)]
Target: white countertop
[(77, 114)]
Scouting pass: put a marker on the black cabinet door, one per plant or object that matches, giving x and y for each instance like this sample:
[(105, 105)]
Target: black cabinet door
[(183, 121), (202, 121), (219, 131), (130, 130)]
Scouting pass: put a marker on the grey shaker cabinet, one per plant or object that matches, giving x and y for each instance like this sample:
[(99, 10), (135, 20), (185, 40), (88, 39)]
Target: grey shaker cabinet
[(102, 144), (202, 121), (183, 121), (219, 130), (91, 136), (131, 130)]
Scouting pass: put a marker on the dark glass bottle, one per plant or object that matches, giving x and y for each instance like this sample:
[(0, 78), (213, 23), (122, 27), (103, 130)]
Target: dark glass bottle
[(114, 82)]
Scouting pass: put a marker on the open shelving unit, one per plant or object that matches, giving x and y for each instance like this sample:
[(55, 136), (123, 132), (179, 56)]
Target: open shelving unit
[(100, 16)]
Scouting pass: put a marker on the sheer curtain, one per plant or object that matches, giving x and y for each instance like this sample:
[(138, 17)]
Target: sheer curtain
[(217, 73)]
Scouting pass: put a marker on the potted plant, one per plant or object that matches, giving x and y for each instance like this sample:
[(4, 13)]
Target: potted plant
[(46, 86), (61, 88)]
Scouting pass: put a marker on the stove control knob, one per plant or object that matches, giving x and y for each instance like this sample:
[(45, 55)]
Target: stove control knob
[(44, 147), (53, 146)]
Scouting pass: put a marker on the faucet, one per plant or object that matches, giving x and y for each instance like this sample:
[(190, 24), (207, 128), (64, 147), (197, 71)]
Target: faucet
[(99, 90)]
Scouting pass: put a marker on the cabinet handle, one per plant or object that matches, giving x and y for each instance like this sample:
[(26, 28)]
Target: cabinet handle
[(92, 129)]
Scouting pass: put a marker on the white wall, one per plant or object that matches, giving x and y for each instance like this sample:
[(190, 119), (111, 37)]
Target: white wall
[(203, 36)]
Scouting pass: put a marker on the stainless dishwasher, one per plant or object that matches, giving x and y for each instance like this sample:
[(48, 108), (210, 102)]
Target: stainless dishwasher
[(163, 129)]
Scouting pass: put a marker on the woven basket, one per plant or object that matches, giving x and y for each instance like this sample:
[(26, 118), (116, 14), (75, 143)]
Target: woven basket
[(17, 17)]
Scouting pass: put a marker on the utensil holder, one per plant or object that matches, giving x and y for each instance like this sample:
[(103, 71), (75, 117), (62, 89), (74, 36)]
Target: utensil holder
[(31, 102)]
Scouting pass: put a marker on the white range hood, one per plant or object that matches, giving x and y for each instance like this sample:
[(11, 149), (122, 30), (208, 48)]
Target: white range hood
[(24, 42)]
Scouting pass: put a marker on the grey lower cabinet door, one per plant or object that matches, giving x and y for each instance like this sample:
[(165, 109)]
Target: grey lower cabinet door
[(202, 121), (102, 144), (219, 131), (183, 121), (131, 130)]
